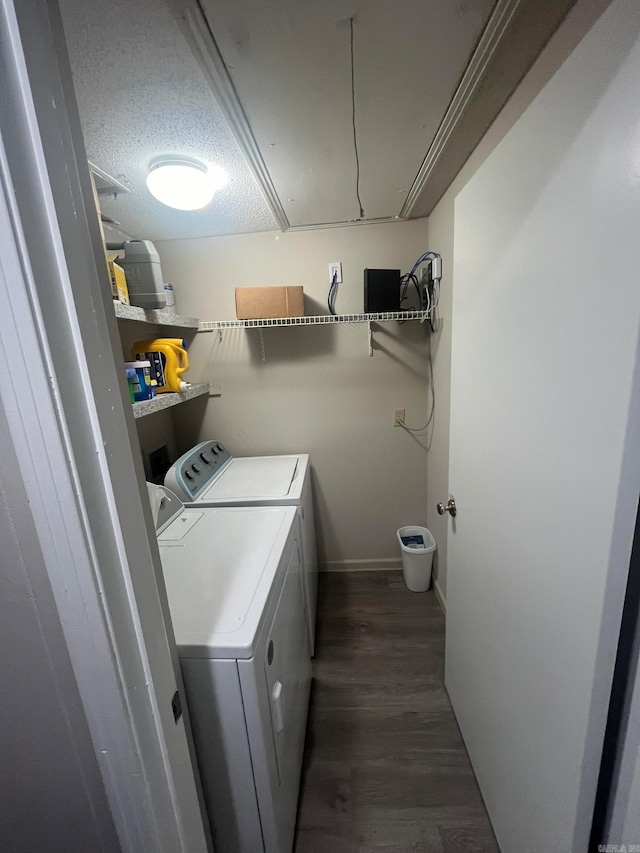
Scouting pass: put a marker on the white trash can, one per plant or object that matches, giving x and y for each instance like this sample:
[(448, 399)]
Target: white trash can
[(417, 547)]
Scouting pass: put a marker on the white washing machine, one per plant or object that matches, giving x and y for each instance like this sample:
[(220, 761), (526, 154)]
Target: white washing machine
[(234, 584), (208, 475)]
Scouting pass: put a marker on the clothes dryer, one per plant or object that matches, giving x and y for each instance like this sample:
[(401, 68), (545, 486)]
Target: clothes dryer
[(209, 475), (234, 583)]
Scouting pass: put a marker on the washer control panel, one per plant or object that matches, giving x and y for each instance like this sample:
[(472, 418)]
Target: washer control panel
[(198, 468)]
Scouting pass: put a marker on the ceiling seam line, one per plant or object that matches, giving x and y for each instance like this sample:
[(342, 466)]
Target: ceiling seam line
[(196, 28)]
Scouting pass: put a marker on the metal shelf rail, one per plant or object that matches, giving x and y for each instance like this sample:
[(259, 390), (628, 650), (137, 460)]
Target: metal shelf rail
[(320, 320)]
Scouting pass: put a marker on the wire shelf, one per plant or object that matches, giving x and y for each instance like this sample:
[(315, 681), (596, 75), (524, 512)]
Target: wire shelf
[(321, 320)]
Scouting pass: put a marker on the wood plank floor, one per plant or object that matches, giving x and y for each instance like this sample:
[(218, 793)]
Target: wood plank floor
[(385, 767)]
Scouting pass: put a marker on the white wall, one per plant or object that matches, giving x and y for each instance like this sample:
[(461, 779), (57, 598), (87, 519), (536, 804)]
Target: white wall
[(319, 391), (441, 238)]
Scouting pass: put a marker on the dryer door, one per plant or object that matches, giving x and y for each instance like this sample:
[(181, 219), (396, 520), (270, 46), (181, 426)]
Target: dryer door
[(287, 667), (275, 692)]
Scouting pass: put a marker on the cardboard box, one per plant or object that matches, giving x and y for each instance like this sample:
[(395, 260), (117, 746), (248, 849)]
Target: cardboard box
[(119, 289), (267, 303)]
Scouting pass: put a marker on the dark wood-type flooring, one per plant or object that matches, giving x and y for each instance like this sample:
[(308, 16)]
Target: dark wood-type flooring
[(385, 766)]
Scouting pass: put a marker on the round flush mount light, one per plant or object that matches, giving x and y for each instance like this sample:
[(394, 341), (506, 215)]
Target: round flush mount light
[(184, 182)]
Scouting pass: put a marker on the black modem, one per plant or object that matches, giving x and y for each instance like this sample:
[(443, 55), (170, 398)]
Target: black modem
[(381, 291)]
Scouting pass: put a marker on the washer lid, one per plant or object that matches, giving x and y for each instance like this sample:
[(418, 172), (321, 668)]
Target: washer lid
[(256, 478), (219, 566)]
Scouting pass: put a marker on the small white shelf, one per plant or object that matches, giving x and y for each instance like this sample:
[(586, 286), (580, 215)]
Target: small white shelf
[(320, 320), (166, 401), (157, 316)]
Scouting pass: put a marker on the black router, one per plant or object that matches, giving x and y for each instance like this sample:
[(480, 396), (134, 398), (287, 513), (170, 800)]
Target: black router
[(381, 291)]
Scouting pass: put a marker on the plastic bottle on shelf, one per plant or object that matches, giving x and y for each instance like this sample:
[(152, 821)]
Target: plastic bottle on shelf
[(170, 307), (169, 361), (139, 377)]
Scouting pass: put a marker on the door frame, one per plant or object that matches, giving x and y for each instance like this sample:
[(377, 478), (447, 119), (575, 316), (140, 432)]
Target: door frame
[(72, 427)]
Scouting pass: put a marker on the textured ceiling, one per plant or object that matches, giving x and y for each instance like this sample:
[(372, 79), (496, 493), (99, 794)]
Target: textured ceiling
[(141, 94), (290, 63)]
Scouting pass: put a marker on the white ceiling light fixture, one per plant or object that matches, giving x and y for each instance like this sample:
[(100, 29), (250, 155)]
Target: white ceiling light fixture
[(184, 182)]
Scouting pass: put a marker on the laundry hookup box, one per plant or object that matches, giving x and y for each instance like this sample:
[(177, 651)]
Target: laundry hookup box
[(268, 303)]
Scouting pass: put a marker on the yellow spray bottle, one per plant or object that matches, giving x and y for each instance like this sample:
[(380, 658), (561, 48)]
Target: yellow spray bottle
[(169, 360)]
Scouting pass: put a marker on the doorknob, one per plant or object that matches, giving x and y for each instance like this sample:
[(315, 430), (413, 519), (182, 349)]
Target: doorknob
[(450, 508)]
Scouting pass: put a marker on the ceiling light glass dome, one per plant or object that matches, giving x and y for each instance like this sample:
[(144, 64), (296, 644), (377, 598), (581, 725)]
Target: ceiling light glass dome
[(184, 182)]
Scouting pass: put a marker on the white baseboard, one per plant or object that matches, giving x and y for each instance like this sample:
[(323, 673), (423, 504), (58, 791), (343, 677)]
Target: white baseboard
[(391, 564), (441, 599)]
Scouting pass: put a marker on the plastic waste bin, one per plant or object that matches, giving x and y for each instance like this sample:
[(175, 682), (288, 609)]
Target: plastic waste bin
[(417, 547)]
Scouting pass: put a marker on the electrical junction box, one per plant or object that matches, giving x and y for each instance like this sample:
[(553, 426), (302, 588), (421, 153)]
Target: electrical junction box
[(269, 303), (381, 291)]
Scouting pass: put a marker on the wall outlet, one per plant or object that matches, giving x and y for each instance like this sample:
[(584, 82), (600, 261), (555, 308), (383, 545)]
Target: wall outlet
[(398, 417), (335, 268)]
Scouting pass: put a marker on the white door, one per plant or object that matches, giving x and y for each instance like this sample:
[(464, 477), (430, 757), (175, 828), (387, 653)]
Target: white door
[(543, 465)]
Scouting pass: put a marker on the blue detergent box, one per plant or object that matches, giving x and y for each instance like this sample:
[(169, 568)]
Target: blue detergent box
[(416, 541)]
